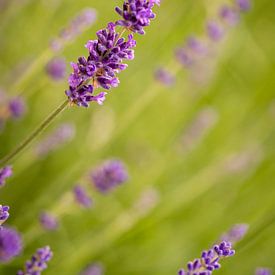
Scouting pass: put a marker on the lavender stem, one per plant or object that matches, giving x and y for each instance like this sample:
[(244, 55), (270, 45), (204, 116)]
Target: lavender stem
[(35, 133)]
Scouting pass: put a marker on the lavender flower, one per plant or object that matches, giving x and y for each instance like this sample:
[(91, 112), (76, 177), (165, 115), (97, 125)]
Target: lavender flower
[(263, 271), (136, 14), (84, 20), (5, 173), (48, 221), (38, 262), (94, 269), (229, 15), (209, 260), (4, 213), (235, 234), (17, 107), (109, 175), (60, 136), (56, 68), (81, 196), (164, 76), (244, 5), (184, 57), (215, 31), (10, 244)]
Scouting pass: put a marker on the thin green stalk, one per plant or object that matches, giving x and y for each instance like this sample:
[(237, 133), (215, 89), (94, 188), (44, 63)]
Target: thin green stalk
[(34, 134)]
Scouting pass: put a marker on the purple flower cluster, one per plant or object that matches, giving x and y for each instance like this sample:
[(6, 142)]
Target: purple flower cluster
[(81, 196), (106, 54), (136, 14), (94, 269), (38, 262), (109, 175), (5, 173), (17, 107), (235, 234), (48, 221), (56, 68), (209, 260), (10, 244), (263, 271), (164, 77), (4, 213)]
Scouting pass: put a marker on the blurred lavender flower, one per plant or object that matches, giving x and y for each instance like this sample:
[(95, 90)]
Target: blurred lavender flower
[(4, 214), (236, 233), (94, 269), (263, 271), (64, 133), (38, 262), (79, 24), (136, 14), (197, 46), (17, 107), (229, 15), (56, 68), (209, 260), (82, 197), (215, 31), (10, 244), (48, 221), (164, 77), (5, 173), (109, 175), (184, 57), (244, 5)]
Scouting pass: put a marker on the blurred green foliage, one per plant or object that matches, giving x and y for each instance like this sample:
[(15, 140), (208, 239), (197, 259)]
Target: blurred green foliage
[(225, 178)]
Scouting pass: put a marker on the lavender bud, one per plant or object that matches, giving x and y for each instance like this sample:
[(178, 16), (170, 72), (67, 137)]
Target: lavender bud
[(4, 213), (38, 262), (235, 234), (94, 269), (164, 77), (10, 244), (48, 221), (56, 68), (215, 31), (81, 196), (5, 173), (263, 271), (17, 107), (244, 5), (109, 175), (229, 15)]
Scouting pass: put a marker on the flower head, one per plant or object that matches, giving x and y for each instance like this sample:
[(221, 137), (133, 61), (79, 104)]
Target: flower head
[(56, 68), (136, 14), (244, 5), (17, 107), (81, 196), (38, 262), (164, 76), (209, 260), (215, 31), (229, 15), (109, 175), (94, 269), (263, 271), (236, 233), (4, 213), (10, 244), (48, 221), (5, 173)]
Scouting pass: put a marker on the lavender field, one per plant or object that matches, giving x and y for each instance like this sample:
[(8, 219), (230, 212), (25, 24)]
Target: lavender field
[(137, 137)]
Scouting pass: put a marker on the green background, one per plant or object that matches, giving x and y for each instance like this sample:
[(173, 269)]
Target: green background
[(195, 195)]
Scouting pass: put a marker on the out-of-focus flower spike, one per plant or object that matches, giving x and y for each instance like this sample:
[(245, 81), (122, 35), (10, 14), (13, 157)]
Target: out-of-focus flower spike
[(164, 77), (56, 68), (236, 233), (243, 5), (82, 197), (93, 269), (5, 173), (48, 221), (215, 31), (263, 271)]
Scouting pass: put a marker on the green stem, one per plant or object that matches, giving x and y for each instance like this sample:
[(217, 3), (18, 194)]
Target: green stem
[(34, 134)]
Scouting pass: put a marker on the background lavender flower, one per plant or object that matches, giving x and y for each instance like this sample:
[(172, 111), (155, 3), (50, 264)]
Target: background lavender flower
[(4, 213), (81, 196), (10, 244), (136, 14), (5, 173), (17, 107), (209, 260), (94, 269), (215, 31), (48, 221), (236, 233), (38, 262), (56, 68), (244, 5), (109, 175), (64, 133), (263, 271), (164, 77)]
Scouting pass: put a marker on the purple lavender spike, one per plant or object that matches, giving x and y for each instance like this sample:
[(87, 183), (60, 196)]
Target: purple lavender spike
[(215, 31), (48, 221), (209, 260), (82, 197), (10, 244), (56, 68), (184, 57), (4, 213), (5, 173), (17, 107), (236, 233), (263, 271), (229, 15), (244, 5), (38, 262), (109, 175), (164, 77)]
